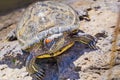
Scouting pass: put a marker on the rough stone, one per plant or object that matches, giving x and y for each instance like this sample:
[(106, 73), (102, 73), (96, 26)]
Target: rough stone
[(79, 62)]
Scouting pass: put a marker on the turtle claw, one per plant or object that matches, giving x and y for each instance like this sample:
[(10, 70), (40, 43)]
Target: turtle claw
[(38, 75), (35, 71), (85, 39), (92, 45)]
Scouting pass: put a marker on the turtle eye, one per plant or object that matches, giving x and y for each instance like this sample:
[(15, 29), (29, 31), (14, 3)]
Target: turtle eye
[(51, 42), (48, 43)]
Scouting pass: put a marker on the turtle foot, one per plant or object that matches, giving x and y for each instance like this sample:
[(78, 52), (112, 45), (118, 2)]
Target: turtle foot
[(11, 36), (35, 71), (85, 39), (38, 75)]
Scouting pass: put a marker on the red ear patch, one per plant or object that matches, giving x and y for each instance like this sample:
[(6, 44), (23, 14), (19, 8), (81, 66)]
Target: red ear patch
[(47, 40)]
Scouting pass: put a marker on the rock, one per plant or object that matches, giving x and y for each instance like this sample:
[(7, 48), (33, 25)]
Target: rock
[(9, 22), (12, 55), (79, 62)]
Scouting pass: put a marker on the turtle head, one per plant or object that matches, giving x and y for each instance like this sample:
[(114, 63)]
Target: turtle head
[(54, 42), (47, 46)]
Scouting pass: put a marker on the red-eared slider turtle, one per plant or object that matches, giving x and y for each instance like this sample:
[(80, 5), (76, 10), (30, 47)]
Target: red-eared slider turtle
[(47, 29)]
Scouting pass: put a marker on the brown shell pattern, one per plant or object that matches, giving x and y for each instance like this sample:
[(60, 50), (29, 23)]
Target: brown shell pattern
[(43, 19)]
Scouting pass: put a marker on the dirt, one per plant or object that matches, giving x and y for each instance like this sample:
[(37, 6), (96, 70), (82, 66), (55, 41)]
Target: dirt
[(98, 18)]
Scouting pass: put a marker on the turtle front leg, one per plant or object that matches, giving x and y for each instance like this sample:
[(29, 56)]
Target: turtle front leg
[(33, 69), (12, 35), (84, 38)]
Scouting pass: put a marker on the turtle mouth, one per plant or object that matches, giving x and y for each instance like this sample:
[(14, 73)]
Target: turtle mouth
[(48, 55)]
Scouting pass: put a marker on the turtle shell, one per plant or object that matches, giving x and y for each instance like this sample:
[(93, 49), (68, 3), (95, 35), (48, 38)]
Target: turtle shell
[(43, 19)]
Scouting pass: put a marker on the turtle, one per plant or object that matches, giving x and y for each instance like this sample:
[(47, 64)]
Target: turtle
[(47, 29)]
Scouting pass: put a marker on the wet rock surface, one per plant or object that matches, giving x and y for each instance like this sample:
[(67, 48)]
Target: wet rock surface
[(98, 18)]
